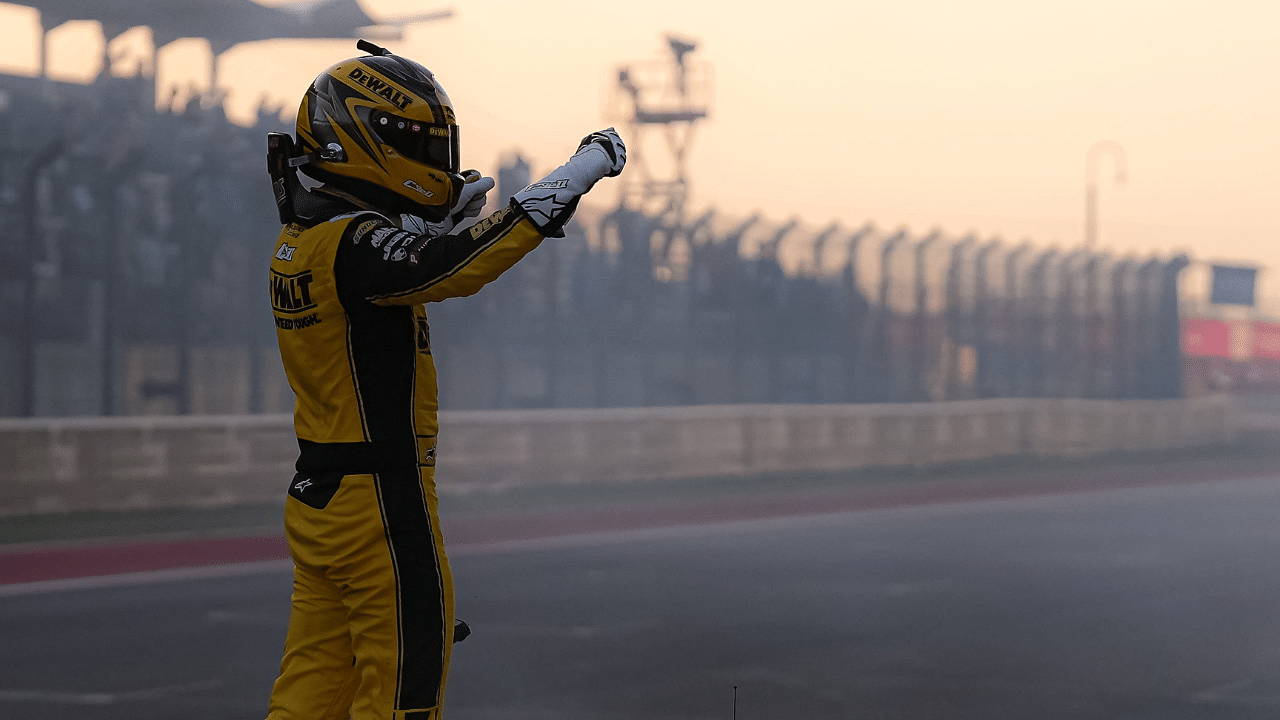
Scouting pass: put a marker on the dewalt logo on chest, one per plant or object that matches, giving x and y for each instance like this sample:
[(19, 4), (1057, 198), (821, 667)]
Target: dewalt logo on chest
[(291, 294)]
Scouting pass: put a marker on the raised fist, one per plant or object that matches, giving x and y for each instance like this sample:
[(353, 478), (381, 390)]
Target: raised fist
[(550, 201), (609, 141)]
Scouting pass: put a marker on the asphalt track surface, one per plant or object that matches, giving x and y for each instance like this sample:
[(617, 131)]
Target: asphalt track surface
[(1156, 602)]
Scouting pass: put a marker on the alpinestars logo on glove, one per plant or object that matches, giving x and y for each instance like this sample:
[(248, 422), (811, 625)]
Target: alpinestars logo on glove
[(547, 207)]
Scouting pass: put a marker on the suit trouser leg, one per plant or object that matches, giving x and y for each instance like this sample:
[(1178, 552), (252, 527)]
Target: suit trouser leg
[(381, 556), (317, 679)]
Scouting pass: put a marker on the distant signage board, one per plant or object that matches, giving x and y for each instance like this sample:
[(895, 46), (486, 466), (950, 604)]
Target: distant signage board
[(1266, 340), (1233, 285), (1206, 338)]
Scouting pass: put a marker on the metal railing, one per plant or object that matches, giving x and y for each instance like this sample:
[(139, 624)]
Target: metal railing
[(133, 247)]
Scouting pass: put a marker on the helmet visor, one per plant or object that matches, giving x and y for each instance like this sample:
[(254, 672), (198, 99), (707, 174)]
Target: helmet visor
[(426, 143)]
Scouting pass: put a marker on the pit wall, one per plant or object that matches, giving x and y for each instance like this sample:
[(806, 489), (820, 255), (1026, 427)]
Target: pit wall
[(66, 464)]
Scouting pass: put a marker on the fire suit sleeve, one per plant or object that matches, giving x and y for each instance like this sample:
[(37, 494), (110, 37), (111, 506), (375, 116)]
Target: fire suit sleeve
[(381, 264)]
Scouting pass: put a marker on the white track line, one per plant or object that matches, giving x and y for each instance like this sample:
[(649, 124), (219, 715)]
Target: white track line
[(145, 578), (653, 534), (594, 539), (102, 698)]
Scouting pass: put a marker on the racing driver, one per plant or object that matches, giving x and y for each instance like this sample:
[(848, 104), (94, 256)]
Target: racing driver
[(371, 198)]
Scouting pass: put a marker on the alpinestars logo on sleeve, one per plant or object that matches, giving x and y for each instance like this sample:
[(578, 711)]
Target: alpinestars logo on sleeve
[(542, 209)]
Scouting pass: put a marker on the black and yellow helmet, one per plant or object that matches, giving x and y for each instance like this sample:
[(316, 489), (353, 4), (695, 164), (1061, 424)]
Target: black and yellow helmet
[(381, 129)]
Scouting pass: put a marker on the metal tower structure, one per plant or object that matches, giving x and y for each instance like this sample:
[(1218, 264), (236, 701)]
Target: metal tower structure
[(665, 98)]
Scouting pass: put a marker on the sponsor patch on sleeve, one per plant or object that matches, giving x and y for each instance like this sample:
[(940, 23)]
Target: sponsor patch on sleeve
[(494, 219), (363, 229)]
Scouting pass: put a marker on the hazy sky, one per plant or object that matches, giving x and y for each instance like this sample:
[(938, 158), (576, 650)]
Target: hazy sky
[(968, 116)]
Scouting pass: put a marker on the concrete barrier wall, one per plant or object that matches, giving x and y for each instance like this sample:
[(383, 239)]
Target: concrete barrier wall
[(61, 464)]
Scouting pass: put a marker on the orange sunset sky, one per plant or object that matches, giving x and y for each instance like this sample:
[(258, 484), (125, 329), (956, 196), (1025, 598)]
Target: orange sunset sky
[(969, 116)]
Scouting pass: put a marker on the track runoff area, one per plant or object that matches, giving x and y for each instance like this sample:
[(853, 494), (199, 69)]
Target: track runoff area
[(1158, 599)]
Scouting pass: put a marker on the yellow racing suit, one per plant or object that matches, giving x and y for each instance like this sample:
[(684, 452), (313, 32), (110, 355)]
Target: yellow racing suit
[(371, 626)]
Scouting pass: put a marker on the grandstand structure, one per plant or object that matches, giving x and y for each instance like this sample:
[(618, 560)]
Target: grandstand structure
[(134, 242), (226, 23)]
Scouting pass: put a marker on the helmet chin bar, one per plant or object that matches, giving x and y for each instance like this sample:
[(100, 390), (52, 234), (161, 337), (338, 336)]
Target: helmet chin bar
[(456, 181)]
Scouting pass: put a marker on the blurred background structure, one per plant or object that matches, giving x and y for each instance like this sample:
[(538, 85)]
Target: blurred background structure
[(132, 242), (772, 431)]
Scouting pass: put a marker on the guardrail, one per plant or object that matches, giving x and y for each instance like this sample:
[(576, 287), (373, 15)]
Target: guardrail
[(64, 464)]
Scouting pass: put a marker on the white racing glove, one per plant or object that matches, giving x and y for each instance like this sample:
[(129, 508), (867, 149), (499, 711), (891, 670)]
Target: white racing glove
[(551, 201), (470, 204)]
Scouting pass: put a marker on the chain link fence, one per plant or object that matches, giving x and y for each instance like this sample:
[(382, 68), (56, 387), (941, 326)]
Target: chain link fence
[(134, 246)]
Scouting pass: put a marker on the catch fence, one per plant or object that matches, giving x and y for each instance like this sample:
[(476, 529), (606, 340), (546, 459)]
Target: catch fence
[(134, 245)]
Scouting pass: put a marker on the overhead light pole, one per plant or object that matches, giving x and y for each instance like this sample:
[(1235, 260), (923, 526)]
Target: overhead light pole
[(1100, 148)]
